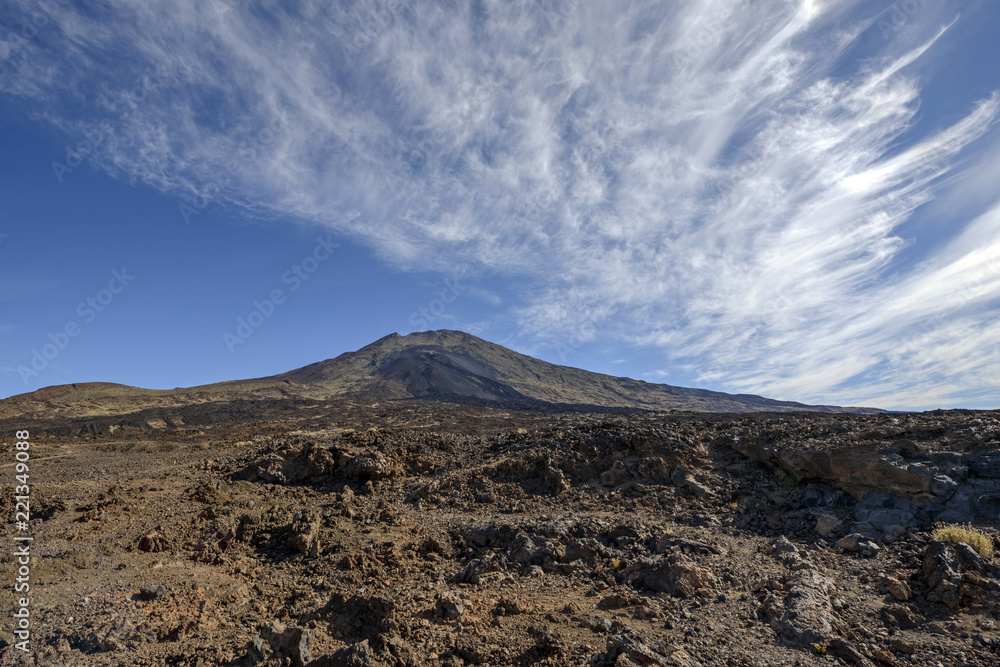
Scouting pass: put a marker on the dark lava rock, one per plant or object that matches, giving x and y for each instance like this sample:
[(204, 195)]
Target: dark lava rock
[(942, 574), (150, 593), (676, 575), (355, 655), (902, 616), (805, 616), (848, 652), (631, 648), (278, 642), (451, 607)]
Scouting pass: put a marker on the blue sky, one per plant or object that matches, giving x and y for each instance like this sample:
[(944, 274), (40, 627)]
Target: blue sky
[(796, 198)]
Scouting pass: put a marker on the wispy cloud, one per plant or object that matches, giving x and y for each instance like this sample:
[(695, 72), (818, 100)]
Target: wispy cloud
[(724, 180)]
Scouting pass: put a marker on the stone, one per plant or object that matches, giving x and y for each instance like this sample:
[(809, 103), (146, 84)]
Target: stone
[(884, 657), (688, 546), (109, 644), (399, 649), (676, 575), (902, 616), (898, 589), (305, 529), (598, 624), (857, 471), (483, 570), (988, 505), (153, 542), (848, 652), (974, 497), (296, 642), (684, 478), (942, 574), (868, 548), (632, 648), (347, 495), (615, 476), (892, 533), (866, 530), (943, 485), (903, 645), (969, 558), (985, 466), (150, 593), (295, 464), (112, 636), (555, 478), (805, 616), (473, 650), (858, 543), (849, 542), (881, 518), (827, 523), (451, 607), (369, 465), (290, 641), (783, 546), (615, 602), (354, 655)]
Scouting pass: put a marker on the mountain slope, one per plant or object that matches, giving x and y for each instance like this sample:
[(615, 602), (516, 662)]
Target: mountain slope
[(434, 365), (443, 363)]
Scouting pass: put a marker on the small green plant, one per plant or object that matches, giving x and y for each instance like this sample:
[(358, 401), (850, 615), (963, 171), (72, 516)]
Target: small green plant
[(820, 649), (785, 477), (978, 541)]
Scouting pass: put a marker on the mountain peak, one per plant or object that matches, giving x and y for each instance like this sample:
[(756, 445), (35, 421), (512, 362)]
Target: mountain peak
[(431, 365), (455, 365)]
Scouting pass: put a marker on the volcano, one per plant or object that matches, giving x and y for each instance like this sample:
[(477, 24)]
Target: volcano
[(444, 365)]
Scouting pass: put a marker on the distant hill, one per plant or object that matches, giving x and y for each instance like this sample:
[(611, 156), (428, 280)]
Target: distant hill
[(432, 365)]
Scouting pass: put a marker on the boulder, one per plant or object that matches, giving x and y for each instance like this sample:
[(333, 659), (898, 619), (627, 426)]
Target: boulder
[(152, 592), (858, 543), (942, 574), (898, 589), (153, 542), (684, 479), (902, 616), (805, 616), (676, 575), (783, 546), (279, 641), (305, 529), (857, 471), (450, 606), (848, 652), (826, 523), (632, 648)]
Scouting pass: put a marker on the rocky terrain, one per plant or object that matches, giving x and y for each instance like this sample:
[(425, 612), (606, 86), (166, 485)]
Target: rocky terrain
[(414, 532)]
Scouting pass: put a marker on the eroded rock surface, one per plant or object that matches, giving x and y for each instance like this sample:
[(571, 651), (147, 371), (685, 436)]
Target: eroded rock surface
[(406, 533), (905, 471)]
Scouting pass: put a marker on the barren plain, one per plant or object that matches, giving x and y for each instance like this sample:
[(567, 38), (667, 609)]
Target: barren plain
[(416, 532)]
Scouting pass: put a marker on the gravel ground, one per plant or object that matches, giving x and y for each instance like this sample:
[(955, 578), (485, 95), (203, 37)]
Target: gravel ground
[(418, 533)]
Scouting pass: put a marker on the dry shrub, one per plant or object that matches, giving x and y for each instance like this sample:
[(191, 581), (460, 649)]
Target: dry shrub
[(978, 541)]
